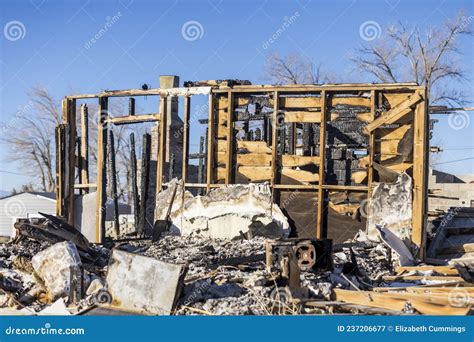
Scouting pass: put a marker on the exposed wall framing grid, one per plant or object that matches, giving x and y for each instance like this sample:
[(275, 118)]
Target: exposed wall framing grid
[(385, 113)]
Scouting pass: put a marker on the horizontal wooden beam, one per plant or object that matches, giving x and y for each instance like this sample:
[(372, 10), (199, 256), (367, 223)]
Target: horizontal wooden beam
[(306, 117), (133, 119), (345, 187), (85, 186), (428, 304), (295, 160), (263, 173), (290, 88), (444, 270), (353, 87), (149, 92)]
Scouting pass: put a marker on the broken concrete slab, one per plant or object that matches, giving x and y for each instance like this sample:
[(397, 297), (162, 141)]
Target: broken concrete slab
[(143, 284), (60, 268), (390, 206), (227, 212)]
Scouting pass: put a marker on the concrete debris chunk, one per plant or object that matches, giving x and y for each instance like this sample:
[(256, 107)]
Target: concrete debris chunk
[(60, 268), (141, 284), (226, 212)]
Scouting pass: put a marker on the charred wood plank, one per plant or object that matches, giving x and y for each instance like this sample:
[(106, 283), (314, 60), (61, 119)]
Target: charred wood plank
[(134, 190), (144, 180), (113, 182)]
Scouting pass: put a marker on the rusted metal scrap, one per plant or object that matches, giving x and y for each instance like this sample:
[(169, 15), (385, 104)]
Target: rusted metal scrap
[(310, 254)]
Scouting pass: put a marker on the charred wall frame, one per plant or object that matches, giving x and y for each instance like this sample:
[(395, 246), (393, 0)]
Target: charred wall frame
[(384, 113)]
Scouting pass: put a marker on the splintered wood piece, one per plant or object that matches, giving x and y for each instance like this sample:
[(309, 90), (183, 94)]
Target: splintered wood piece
[(444, 270), (263, 173)]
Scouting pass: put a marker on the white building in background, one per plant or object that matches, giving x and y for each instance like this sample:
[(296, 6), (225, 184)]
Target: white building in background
[(29, 204), (24, 205), (450, 191)]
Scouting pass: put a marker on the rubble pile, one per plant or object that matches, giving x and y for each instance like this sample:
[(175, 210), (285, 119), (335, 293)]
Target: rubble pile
[(51, 269), (224, 277)]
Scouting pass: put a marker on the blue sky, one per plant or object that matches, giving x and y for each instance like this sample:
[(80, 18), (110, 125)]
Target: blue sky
[(145, 40)]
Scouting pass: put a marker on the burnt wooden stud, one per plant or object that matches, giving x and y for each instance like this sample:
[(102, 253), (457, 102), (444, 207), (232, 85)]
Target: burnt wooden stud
[(134, 185), (84, 155), (69, 118), (79, 161), (230, 139), (101, 204), (113, 182), (131, 106), (162, 148), (144, 180), (60, 166), (187, 112), (210, 144)]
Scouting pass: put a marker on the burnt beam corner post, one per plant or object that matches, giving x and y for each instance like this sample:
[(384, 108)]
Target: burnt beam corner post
[(101, 201), (321, 230), (420, 172), (66, 141)]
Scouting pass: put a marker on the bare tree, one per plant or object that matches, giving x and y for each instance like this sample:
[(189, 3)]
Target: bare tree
[(29, 135), (30, 139), (428, 58), (292, 69)]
